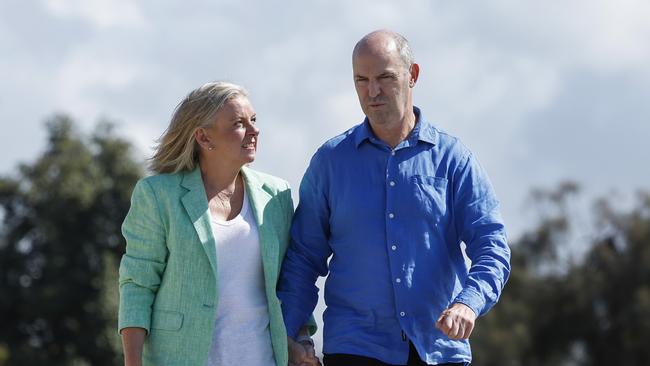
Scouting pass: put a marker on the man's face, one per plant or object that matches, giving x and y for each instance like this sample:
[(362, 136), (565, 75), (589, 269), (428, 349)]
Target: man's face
[(382, 79)]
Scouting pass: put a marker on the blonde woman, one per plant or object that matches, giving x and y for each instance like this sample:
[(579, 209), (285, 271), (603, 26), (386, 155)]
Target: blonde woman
[(205, 239)]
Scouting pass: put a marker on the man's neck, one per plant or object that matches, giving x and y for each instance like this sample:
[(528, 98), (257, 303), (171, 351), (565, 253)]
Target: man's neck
[(394, 133)]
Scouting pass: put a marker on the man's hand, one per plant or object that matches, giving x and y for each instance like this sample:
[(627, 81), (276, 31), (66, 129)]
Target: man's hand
[(457, 322), (302, 354)]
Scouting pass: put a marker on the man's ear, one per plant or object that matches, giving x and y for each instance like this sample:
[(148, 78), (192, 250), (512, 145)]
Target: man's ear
[(414, 72)]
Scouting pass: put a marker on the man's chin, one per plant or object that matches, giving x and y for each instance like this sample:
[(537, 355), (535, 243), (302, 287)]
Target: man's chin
[(378, 118)]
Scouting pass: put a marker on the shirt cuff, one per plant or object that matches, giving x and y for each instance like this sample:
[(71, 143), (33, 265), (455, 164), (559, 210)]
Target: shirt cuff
[(473, 299), (293, 325)]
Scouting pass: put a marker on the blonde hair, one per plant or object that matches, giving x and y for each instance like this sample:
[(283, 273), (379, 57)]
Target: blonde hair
[(177, 148)]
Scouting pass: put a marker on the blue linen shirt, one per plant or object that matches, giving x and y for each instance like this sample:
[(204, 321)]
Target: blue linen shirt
[(392, 221)]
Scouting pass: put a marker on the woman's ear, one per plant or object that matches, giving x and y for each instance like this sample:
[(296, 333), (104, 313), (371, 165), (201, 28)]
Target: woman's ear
[(202, 138)]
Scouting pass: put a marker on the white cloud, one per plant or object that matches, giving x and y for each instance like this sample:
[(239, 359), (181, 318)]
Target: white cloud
[(101, 13), (490, 70), (88, 71), (600, 35)]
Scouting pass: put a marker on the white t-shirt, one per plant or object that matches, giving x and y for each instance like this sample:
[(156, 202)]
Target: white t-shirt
[(241, 332)]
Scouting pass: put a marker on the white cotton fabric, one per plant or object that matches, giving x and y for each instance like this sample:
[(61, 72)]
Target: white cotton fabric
[(241, 331)]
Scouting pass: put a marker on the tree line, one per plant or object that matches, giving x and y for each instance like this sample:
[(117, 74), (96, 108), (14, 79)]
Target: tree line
[(60, 245)]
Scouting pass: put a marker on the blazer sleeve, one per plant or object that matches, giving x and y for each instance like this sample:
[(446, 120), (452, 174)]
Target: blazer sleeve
[(143, 263)]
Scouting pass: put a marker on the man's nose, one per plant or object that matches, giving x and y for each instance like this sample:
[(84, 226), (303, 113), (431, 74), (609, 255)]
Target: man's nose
[(373, 88)]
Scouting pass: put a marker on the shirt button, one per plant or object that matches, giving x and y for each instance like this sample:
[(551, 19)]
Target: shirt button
[(392, 184), (391, 215), (402, 313), (392, 152), (398, 280), (394, 247)]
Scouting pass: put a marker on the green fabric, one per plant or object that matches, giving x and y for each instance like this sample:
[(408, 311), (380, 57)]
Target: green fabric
[(168, 274)]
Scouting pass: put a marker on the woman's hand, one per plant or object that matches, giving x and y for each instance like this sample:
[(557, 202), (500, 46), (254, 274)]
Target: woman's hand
[(302, 354)]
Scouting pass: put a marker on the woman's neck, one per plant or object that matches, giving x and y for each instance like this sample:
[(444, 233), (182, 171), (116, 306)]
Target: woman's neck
[(218, 178)]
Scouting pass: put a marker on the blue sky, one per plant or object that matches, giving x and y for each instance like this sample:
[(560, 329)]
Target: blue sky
[(540, 91)]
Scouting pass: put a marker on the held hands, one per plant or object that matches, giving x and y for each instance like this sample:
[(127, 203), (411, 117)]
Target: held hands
[(457, 321), (302, 354)]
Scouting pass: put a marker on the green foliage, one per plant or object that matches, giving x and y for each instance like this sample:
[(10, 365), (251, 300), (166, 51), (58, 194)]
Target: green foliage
[(593, 312), (59, 246)]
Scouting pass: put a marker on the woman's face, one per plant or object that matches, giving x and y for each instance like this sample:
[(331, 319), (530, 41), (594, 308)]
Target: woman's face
[(233, 134)]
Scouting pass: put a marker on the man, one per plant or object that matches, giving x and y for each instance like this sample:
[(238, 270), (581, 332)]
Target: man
[(391, 200)]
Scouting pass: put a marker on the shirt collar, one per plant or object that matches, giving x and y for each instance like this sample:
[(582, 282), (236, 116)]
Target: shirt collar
[(423, 130)]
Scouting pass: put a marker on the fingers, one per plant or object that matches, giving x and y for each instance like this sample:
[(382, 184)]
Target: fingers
[(311, 359), (457, 322), (468, 331), (312, 362), (444, 322), (302, 354), (310, 350), (296, 352)]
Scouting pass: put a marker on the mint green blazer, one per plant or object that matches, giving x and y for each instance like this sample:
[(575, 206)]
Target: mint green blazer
[(168, 283)]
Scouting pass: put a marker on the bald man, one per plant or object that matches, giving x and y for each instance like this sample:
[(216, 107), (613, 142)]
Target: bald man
[(391, 200)]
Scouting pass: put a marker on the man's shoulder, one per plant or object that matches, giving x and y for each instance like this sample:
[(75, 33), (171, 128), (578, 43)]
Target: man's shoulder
[(337, 146), (341, 141), (449, 143)]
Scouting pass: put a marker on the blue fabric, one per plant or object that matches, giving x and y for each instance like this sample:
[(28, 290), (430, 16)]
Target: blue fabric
[(393, 222)]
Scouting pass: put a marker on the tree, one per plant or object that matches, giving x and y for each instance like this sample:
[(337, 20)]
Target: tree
[(59, 244), (592, 311)]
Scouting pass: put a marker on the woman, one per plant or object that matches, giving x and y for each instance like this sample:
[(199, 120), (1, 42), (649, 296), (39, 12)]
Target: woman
[(205, 239)]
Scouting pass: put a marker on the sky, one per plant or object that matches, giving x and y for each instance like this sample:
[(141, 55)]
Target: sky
[(541, 92)]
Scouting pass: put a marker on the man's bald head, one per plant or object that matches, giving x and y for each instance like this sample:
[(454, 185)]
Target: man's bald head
[(382, 41), (384, 77)]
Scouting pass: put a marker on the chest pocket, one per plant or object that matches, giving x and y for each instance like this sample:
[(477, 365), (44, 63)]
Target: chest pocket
[(431, 195)]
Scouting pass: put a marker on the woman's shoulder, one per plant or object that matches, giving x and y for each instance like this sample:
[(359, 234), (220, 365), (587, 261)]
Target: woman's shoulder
[(265, 179), (161, 182)]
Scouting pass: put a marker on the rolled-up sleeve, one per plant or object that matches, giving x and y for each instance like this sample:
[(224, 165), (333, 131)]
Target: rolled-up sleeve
[(143, 263), (479, 224)]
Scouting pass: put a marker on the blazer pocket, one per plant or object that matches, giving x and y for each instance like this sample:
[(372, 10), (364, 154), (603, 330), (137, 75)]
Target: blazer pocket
[(166, 320)]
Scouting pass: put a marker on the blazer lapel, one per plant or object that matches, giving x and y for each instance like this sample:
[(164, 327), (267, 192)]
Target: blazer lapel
[(259, 197), (196, 204)]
